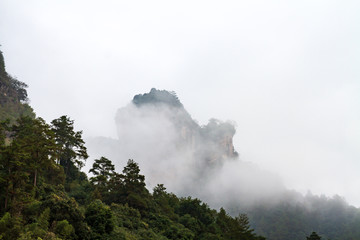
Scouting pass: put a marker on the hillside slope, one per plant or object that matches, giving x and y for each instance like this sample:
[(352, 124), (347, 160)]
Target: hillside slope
[(13, 96), (201, 161)]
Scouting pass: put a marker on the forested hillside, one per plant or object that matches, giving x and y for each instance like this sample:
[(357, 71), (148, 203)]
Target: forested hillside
[(13, 96), (44, 195), (295, 216), (200, 161)]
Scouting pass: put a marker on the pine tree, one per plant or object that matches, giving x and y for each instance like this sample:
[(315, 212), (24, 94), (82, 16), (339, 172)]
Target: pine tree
[(103, 171), (132, 188), (313, 236), (72, 152)]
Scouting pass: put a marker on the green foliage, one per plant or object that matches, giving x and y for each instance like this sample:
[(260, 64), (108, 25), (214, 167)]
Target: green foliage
[(71, 146), (129, 187), (165, 203), (10, 226), (333, 218), (27, 162), (313, 236), (190, 222), (32, 210), (132, 178), (38, 226), (43, 221), (71, 156), (31, 178), (2, 64), (178, 231), (138, 214), (13, 96), (14, 110), (44, 195), (156, 97), (103, 171), (100, 218), (64, 229), (64, 208), (80, 189), (196, 209), (5, 222), (168, 217), (126, 217), (33, 139)]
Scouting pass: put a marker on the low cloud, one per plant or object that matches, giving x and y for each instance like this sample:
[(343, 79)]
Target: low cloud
[(171, 148)]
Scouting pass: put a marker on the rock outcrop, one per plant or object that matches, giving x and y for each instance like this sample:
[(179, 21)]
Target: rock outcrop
[(172, 148), (161, 110), (13, 96)]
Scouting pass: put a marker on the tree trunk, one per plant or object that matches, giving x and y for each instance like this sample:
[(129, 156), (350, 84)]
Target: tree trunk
[(35, 176), (35, 173), (7, 192)]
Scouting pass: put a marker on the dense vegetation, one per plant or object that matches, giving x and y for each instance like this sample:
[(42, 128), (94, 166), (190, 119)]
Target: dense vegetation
[(332, 218), (13, 96), (45, 196), (157, 97)]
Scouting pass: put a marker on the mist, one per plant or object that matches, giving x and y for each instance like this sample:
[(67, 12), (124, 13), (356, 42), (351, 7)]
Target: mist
[(286, 72), (190, 160)]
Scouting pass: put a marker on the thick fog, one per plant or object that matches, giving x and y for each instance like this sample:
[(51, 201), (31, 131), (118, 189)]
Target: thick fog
[(190, 160), (287, 72)]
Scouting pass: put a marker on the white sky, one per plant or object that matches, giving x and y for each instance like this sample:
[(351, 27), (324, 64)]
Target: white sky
[(287, 72)]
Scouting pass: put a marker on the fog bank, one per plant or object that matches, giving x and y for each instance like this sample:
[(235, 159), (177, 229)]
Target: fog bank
[(173, 149)]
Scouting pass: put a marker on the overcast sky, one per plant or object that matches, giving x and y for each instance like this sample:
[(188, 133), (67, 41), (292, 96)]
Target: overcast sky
[(287, 72)]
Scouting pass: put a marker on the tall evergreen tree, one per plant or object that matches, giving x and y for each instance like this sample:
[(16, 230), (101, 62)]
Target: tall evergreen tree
[(103, 171), (72, 152), (34, 139), (29, 154), (131, 187)]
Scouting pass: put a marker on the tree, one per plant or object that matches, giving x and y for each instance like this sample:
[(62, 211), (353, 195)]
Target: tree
[(6, 164), (241, 228), (129, 187), (132, 178), (13, 177), (10, 227), (100, 218), (71, 147), (64, 229), (62, 207), (313, 236), (103, 170), (29, 153), (35, 141), (159, 190), (2, 63)]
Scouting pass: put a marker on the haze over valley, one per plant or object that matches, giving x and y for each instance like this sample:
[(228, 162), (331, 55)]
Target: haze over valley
[(286, 73), (250, 106)]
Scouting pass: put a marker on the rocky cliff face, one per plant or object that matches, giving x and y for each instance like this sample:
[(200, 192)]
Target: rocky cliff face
[(172, 149), (161, 113), (155, 130)]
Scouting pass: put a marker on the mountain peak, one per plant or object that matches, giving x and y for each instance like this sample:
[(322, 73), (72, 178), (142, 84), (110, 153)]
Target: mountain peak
[(156, 97)]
